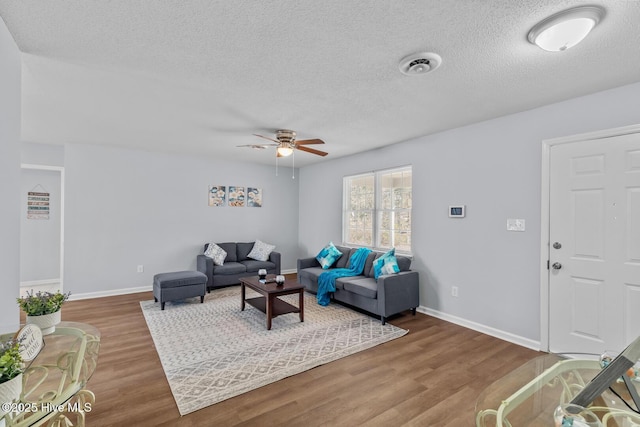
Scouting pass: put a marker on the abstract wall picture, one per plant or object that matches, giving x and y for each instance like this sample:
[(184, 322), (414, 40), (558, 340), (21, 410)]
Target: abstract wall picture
[(237, 196), (37, 205), (254, 197), (217, 195)]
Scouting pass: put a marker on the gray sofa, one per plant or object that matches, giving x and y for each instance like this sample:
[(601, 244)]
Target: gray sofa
[(389, 295), (235, 266)]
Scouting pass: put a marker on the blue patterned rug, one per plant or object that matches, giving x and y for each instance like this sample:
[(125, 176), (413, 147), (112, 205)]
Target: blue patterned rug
[(213, 351)]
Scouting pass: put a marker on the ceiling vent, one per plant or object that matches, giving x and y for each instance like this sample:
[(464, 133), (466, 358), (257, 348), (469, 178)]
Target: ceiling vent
[(420, 63)]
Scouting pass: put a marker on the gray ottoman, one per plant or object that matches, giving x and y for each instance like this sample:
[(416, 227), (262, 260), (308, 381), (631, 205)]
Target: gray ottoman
[(179, 285)]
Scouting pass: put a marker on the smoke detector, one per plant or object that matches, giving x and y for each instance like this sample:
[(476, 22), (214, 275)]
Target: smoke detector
[(420, 63)]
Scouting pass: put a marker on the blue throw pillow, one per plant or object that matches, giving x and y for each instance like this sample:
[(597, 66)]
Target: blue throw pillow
[(328, 255), (386, 264)]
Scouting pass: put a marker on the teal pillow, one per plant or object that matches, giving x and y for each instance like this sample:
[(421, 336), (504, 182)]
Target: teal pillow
[(328, 255), (386, 264)]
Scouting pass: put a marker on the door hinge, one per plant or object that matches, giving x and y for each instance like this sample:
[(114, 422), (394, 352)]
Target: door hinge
[(547, 264)]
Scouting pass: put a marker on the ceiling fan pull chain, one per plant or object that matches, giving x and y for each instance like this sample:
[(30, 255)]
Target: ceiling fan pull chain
[(293, 168), (276, 165)]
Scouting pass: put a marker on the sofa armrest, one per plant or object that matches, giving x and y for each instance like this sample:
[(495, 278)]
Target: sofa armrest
[(305, 263), (274, 257), (204, 264), (398, 292)]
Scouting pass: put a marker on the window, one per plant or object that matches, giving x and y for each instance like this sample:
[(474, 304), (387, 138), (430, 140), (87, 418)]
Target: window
[(377, 209)]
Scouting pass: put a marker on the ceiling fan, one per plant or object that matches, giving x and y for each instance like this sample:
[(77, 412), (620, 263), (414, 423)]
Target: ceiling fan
[(285, 142)]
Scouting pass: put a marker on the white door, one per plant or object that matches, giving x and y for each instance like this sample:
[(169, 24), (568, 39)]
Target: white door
[(594, 254)]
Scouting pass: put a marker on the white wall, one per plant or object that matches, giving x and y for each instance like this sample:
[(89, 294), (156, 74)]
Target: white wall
[(9, 176), (125, 208), (42, 154), (40, 239), (494, 168)]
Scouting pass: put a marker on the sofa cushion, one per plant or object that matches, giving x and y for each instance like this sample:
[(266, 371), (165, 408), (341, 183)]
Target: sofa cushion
[(178, 279), (348, 259), (386, 264), (365, 287), (311, 273), (328, 255), (230, 249), (260, 251), (342, 261), (216, 253), (253, 266), (368, 264), (243, 250), (229, 268), (404, 263), (342, 280), (371, 271)]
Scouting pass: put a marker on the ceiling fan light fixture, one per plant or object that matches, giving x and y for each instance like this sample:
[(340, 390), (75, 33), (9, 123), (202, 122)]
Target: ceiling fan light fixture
[(565, 29), (285, 150)]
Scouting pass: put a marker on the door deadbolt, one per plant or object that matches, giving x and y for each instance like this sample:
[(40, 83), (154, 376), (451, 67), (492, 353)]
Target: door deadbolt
[(556, 266), (557, 245)]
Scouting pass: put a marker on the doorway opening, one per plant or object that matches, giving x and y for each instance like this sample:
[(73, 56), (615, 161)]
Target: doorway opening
[(41, 228)]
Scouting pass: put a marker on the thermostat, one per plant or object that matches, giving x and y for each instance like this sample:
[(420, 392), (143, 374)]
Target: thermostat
[(456, 211)]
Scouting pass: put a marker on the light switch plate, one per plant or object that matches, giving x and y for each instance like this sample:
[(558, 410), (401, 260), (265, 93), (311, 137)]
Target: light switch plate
[(515, 224)]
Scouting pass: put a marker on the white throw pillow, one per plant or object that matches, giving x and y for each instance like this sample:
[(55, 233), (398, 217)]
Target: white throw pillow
[(216, 253), (261, 251)]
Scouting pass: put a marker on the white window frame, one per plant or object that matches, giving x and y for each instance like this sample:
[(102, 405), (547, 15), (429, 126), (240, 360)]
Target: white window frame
[(377, 207)]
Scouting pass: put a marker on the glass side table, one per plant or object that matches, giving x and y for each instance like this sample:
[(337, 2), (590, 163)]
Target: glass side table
[(529, 395), (53, 386)]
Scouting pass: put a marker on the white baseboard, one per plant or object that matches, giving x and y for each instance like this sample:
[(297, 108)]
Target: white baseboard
[(114, 292), (45, 282), (110, 293), (506, 336)]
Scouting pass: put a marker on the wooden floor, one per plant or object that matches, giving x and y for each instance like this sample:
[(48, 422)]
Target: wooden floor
[(430, 377)]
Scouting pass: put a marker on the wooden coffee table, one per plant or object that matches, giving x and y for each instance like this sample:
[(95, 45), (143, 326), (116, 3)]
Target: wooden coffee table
[(269, 303)]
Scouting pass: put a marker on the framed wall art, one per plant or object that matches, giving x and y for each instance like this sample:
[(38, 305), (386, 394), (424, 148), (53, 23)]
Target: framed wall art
[(217, 195), (237, 196), (254, 197), (37, 205)]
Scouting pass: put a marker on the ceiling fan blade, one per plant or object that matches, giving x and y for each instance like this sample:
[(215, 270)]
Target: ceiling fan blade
[(266, 137), (257, 146), (311, 150), (309, 142)]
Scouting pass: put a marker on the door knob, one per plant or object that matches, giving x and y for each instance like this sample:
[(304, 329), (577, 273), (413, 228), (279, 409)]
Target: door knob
[(557, 245), (556, 266)]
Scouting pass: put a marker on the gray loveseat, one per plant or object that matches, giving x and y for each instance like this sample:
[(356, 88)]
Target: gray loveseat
[(389, 295), (235, 266)]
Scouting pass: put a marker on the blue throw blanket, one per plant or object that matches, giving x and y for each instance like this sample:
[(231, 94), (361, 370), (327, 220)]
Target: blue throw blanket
[(327, 280)]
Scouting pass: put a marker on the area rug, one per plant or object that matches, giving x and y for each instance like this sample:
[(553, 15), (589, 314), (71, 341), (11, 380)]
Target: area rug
[(213, 351)]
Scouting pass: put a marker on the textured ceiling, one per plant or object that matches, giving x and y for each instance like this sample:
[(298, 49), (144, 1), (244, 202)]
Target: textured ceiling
[(202, 76)]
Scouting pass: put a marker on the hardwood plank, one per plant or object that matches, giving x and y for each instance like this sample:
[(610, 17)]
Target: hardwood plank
[(431, 376)]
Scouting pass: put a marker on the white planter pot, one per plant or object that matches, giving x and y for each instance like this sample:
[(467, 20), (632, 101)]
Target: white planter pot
[(46, 322), (10, 391)]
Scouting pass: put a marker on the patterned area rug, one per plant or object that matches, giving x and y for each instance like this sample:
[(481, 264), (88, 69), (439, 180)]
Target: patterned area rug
[(213, 351)]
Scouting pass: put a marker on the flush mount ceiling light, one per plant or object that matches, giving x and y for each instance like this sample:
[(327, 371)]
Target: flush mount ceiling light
[(419, 63), (565, 29)]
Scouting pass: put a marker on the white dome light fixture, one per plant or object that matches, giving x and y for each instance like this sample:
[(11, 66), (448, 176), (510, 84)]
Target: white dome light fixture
[(285, 150), (565, 29), (419, 63)]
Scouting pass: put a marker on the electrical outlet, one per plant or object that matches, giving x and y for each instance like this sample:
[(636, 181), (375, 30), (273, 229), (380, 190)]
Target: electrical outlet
[(140, 268), (454, 291)]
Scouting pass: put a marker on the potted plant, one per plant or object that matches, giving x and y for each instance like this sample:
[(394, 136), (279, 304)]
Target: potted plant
[(43, 308), (11, 368)]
